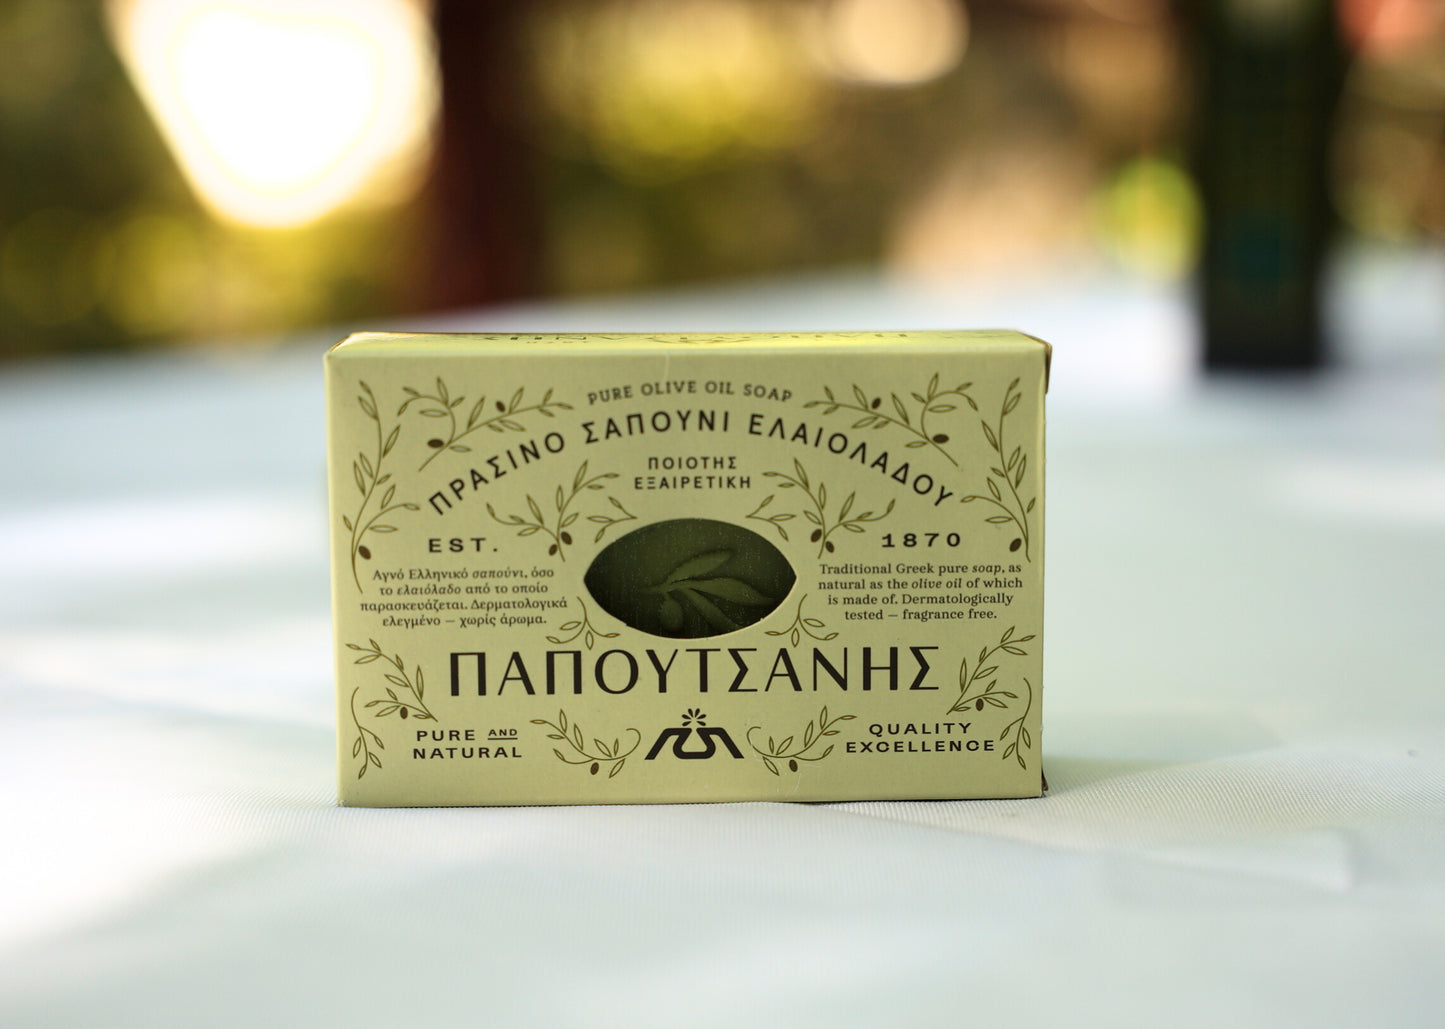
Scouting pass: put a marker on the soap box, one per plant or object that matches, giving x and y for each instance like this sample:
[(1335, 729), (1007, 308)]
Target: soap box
[(586, 569)]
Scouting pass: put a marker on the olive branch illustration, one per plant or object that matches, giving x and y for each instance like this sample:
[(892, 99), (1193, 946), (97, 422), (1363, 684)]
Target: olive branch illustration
[(690, 581), (1010, 472), (395, 703), (803, 627), (365, 738), (1022, 738), (369, 478), (442, 404), (601, 753), (816, 510), (556, 528), (580, 627), (931, 402), (779, 750), (992, 696)]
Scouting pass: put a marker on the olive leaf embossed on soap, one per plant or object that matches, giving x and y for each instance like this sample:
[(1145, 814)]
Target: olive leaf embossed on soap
[(690, 578)]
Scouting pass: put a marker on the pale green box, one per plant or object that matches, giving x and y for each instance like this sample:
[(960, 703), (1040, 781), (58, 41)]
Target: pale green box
[(639, 569)]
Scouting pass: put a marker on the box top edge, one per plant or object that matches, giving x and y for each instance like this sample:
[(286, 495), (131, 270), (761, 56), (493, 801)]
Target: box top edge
[(638, 342), (650, 340)]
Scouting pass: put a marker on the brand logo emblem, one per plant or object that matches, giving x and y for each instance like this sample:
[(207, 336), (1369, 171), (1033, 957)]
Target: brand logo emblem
[(706, 745)]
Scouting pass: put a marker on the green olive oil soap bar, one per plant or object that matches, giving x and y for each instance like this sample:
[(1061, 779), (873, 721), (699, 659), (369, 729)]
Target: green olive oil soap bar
[(596, 569)]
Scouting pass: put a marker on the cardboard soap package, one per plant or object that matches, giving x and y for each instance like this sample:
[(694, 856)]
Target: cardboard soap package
[(596, 569)]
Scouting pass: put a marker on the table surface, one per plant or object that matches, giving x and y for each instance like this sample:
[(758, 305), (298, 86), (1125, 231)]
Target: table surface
[(1244, 726)]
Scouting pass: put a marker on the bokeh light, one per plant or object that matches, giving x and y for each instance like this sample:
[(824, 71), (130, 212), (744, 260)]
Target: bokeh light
[(894, 42), (280, 111), (1148, 217)]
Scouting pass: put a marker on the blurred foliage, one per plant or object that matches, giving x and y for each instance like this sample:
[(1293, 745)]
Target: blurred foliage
[(752, 155), (670, 141), (77, 150), (102, 244)]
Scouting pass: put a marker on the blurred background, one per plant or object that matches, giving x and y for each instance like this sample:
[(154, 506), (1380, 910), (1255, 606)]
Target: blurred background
[(239, 171)]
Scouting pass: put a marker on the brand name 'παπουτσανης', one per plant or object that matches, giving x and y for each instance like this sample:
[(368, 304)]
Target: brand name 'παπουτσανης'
[(703, 669)]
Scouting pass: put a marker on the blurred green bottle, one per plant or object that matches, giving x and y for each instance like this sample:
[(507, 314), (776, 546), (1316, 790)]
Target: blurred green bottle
[(1270, 73)]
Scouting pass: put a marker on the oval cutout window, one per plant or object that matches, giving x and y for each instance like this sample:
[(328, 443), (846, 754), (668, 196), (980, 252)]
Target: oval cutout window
[(690, 578)]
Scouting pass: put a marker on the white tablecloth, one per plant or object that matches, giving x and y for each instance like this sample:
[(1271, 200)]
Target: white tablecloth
[(1244, 721)]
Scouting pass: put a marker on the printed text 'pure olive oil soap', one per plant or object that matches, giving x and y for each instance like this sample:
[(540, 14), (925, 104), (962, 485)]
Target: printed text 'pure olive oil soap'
[(620, 569)]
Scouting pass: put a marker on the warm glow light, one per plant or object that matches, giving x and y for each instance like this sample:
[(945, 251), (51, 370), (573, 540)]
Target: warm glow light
[(280, 111), (662, 87), (895, 42)]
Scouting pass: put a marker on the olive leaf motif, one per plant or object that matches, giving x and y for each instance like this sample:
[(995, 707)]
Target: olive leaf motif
[(599, 754), (367, 472), (558, 527), (366, 739), (690, 582), (815, 510), (1010, 472), (813, 628), (396, 703), (780, 751), (408, 703), (1022, 739), (931, 401), (580, 627), (991, 696), (442, 404)]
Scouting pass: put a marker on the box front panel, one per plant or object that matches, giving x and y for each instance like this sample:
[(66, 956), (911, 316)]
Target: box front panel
[(569, 574)]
